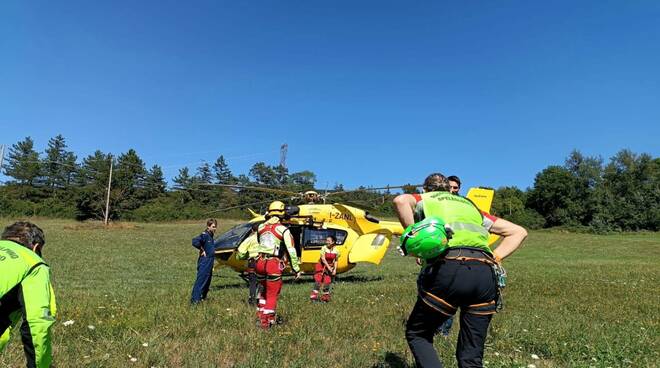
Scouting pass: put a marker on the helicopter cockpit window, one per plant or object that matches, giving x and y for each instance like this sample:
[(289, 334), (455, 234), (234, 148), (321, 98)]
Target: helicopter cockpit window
[(232, 238), (315, 238)]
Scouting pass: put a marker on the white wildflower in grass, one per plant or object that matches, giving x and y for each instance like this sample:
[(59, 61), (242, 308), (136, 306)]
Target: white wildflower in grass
[(145, 344), (133, 359), (68, 323), (91, 327), (535, 357), (531, 365), (524, 330), (497, 354)]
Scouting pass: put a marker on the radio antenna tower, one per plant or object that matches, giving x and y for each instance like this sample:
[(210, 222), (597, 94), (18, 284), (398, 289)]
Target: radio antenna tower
[(283, 150)]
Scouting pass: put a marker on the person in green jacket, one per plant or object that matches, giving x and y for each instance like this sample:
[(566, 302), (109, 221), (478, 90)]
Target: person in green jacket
[(26, 291), (465, 274), (249, 249)]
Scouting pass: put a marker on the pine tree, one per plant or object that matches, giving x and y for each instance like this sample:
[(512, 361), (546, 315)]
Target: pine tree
[(59, 164), (129, 185), (263, 174), (70, 168), (223, 174), (155, 182), (23, 162), (92, 180), (203, 175), (183, 180)]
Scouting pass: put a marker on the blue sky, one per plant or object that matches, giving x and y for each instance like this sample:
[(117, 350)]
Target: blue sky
[(363, 92)]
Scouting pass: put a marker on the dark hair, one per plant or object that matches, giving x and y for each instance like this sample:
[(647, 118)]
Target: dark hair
[(211, 221), (25, 233), (436, 182), (456, 179), (334, 239)]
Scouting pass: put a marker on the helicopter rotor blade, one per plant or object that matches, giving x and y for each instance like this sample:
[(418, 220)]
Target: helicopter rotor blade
[(377, 188), (363, 205), (293, 196), (239, 206), (259, 189)]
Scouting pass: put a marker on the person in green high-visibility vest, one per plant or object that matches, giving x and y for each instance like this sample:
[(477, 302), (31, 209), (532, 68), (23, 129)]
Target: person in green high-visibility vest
[(249, 250), (26, 291), (463, 276), (454, 188)]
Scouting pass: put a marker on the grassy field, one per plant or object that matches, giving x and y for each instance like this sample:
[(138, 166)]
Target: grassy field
[(573, 300)]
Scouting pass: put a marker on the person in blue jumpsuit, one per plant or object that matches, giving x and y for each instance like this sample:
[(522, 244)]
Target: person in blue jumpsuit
[(206, 246)]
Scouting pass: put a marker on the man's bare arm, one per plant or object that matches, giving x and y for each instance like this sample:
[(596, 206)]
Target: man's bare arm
[(513, 236), (404, 205)]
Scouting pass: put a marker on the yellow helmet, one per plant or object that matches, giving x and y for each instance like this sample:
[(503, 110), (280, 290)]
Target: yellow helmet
[(276, 209)]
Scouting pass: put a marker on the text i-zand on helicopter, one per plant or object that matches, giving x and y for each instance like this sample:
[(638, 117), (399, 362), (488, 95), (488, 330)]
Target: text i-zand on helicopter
[(360, 236)]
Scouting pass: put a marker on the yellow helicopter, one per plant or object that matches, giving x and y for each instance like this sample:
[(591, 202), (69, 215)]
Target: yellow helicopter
[(360, 236)]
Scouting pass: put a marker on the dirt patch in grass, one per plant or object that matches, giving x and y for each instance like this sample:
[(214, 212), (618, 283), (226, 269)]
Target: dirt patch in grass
[(99, 225)]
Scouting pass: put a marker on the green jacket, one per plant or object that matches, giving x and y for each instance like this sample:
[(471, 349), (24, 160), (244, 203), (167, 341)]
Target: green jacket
[(460, 215), (25, 290), (249, 248)]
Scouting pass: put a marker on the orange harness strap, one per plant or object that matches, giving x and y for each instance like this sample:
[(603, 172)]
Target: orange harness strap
[(437, 303), (463, 259)]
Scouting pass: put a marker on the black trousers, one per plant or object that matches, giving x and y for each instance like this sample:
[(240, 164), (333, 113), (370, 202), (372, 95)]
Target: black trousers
[(462, 284), (252, 279)]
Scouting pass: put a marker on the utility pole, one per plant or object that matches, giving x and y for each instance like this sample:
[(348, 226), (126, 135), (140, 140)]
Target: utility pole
[(283, 150), (2, 156), (107, 201)]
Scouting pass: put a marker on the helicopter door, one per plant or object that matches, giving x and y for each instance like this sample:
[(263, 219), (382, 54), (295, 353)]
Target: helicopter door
[(313, 239), (370, 248)]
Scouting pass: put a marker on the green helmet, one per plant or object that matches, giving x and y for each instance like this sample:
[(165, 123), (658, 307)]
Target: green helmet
[(425, 239)]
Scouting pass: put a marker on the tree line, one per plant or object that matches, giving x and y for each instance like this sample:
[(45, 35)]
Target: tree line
[(622, 195), (583, 193)]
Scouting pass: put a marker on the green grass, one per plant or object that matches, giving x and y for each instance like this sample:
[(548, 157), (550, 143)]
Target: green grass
[(574, 300)]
